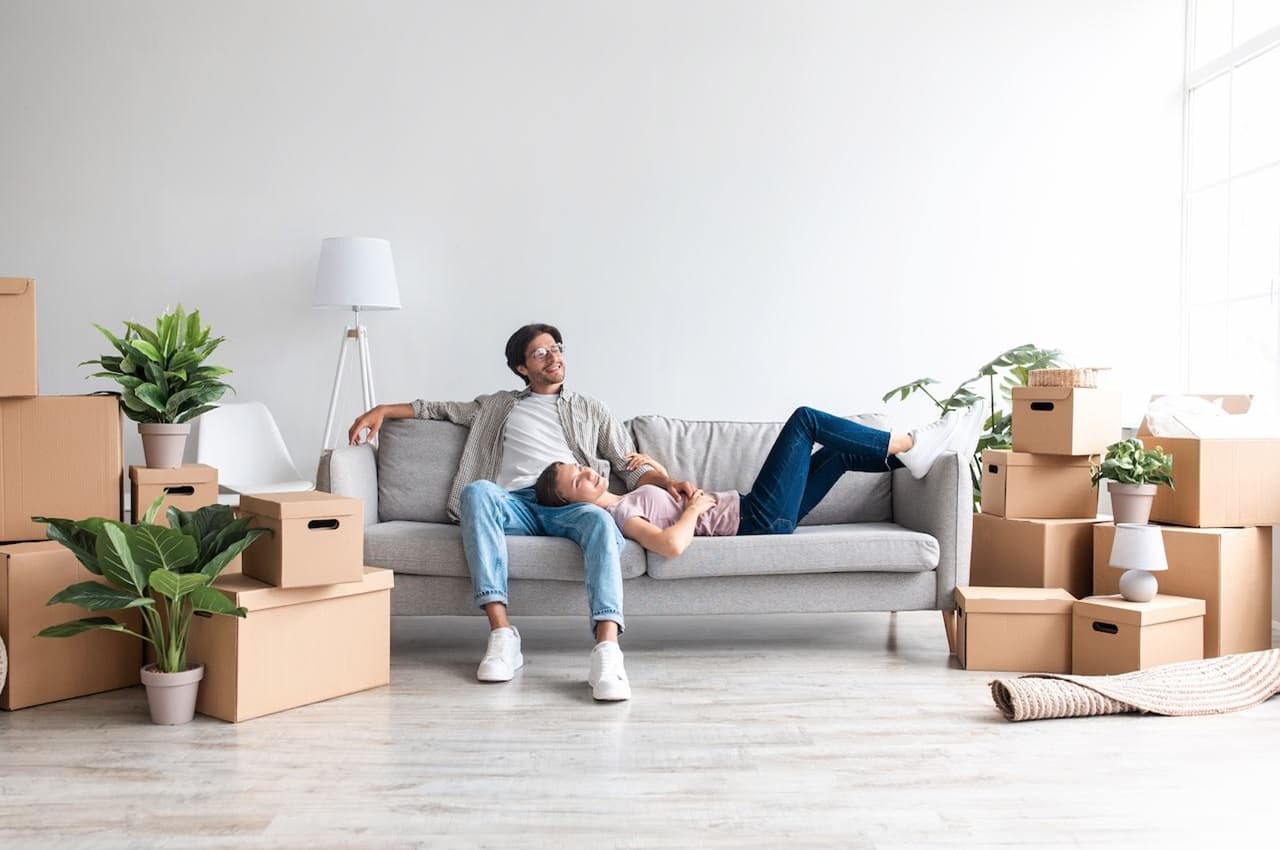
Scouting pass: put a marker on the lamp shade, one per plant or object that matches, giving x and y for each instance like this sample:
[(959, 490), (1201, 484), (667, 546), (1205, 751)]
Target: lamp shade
[(356, 273), (1138, 547)]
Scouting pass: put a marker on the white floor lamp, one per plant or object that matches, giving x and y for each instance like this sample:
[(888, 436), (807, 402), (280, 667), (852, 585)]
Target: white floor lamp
[(355, 273)]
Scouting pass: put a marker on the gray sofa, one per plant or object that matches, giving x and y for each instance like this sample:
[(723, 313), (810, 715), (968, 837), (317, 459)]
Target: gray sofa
[(878, 542)]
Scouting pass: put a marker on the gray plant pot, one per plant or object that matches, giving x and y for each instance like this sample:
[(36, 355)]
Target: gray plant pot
[(1131, 502), (163, 444), (172, 696)]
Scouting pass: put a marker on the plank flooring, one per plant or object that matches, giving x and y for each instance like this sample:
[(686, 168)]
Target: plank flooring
[(846, 731)]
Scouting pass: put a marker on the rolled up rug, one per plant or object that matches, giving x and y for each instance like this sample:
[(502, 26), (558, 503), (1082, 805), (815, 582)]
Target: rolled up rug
[(1211, 686)]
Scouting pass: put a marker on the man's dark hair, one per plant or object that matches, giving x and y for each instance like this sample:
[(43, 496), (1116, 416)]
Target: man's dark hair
[(544, 489), (520, 340)]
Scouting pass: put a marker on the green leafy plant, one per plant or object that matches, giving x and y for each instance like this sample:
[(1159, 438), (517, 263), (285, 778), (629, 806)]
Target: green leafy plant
[(998, 377), (162, 372), (163, 571), (1129, 462)]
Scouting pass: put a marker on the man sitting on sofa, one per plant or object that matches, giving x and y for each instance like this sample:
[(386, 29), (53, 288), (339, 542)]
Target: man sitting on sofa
[(513, 436)]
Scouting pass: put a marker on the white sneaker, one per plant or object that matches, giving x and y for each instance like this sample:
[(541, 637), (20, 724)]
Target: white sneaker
[(608, 678), (965, 440), (929, 442), (502, 657)]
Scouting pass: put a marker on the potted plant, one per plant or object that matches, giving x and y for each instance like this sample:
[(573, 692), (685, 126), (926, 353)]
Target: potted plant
[(1007, 370), (1132, 474), (164, 381), (165, 572)]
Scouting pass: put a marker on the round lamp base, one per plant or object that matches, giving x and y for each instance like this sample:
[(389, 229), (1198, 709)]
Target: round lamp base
[(1138, 586)]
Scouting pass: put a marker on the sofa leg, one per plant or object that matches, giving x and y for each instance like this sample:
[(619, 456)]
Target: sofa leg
[(949, 624)]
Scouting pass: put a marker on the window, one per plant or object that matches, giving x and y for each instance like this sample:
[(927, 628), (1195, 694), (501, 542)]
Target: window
[(1231, 197)]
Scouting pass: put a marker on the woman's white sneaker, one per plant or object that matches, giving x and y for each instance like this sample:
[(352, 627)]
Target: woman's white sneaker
[(929, 442), (502, 657), (608, 677), (972, 424)]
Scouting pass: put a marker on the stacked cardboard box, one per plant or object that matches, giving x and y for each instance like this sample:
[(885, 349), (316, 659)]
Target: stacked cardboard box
[(319, 621), (1222, 481), (60, 456), (189, 487), (48, 669), (1038, 504)]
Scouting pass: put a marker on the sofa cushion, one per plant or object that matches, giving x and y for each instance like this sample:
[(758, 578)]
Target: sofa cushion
[(728, 456), (417, 461), (861, 547), (435, 549)]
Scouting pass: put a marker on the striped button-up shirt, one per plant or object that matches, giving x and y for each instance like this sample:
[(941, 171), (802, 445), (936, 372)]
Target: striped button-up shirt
[(596, 439)]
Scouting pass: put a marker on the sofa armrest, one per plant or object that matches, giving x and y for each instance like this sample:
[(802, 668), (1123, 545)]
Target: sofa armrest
[(351, 471), (940, 504)]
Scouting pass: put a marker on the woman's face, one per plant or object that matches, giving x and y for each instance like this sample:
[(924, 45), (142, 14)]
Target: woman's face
[(576, 483)]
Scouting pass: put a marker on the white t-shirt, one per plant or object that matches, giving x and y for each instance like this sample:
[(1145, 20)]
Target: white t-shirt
[(533, 438)]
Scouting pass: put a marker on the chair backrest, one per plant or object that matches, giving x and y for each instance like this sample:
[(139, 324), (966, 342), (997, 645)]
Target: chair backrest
[(243, 443)]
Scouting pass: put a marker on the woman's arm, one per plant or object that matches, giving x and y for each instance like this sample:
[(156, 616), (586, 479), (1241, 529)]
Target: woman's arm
[(669, 542)]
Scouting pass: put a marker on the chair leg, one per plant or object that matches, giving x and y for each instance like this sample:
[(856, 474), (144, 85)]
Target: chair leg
[(949, 625)]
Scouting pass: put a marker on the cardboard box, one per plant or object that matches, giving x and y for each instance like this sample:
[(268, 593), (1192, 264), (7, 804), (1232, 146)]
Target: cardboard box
[(1065, 420), (188, 488), (17, 337), (296, 646), (60, 456), (1220, 481), (1110, 635), (48, 669), (1014, 628), (1017, 485), (316, 538), (1229, 568), (1033, 553)]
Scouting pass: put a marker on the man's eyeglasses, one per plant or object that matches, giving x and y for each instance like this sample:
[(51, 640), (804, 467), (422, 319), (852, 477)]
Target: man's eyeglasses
[(542, 353)]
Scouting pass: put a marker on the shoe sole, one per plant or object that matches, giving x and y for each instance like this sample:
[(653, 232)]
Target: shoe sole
[(598, 698)]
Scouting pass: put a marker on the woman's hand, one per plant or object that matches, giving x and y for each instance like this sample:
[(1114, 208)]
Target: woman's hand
[(700, 502), (635, 460)]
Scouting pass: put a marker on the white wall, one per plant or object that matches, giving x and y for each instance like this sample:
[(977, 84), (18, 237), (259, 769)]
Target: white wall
[(728, 207)]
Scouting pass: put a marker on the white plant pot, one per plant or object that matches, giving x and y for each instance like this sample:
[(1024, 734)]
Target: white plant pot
[(1131, 502), (163, 444), (172, 696)]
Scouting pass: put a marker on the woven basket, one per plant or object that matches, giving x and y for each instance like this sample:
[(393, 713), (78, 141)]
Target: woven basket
[(1087, 377)]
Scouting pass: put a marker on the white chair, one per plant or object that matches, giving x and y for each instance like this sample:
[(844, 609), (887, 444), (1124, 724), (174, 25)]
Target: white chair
[(242, 442)]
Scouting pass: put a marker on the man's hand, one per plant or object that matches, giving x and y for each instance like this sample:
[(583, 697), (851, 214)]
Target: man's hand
[(371, 421), (635, 460)]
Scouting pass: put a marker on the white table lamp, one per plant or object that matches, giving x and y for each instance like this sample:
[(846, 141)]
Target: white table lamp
[(355, 273), (1139, 548)]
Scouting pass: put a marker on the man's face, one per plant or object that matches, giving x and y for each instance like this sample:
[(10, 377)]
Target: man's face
[(543, 371)]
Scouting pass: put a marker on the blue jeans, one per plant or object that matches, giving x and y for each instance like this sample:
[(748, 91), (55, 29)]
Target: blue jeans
[(490, 513), (794, 477)]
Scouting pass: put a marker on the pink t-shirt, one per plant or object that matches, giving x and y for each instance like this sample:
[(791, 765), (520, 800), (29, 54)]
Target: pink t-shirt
[(662, 509)]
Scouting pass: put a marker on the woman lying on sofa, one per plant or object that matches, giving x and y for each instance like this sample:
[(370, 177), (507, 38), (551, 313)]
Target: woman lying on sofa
[(792, 481)]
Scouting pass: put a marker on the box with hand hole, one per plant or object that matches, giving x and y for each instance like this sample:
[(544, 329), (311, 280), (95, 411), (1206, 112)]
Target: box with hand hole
[(316, 538)]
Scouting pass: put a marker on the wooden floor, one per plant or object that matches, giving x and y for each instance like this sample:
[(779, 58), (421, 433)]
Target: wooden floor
[(796, 731)]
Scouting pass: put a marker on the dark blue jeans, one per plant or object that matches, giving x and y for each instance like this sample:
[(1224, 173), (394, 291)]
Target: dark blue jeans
[(794, 477)]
